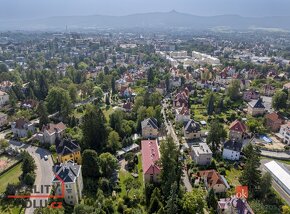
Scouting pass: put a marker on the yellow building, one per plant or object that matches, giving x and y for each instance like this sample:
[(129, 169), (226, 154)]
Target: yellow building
[(68, 150)]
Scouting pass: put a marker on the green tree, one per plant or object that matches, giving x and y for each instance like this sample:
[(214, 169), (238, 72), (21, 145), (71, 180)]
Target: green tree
[(265, 185), (155, 203), (172, 202), (211, 199), (83, 209), (170, 166), (29, 179), (28, 163), (113, 142), (43, 114), (73, 92), (279, 100), (210, 106), (215, 135), (251, 175), (193, 202), (109, 164), (90, 164), (58, 100), (98, 93), (3, 68), (233, 91), (131, 183), (285, 209), (3, 144), (94, 130)]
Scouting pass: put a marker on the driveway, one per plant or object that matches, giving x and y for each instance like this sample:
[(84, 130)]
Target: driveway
[(44, 173), (275, 185)]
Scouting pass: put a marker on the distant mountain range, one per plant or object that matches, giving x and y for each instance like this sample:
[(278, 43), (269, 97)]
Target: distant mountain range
[(159, 20)]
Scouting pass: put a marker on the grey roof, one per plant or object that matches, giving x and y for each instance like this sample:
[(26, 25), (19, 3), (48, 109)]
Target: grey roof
[(257, 103), (67, 146), (233, 145), (68, 172), (191, 126), (202, 148), (149, 122)]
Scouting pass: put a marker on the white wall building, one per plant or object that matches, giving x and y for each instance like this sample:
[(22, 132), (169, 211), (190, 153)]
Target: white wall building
[(71, 174), (285, 133), (232, 150), (201, 154)]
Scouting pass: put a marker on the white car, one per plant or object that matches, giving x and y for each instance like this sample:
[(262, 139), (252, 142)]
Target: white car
[(45, 157)]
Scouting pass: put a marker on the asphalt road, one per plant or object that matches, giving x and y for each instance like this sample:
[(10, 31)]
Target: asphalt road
[(44, 173), (276, 186)]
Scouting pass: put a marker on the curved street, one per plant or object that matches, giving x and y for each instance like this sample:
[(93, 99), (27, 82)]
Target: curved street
[(44, 173)]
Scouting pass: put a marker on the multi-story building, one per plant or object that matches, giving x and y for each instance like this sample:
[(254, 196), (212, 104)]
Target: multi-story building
[(201, 154), (71, 176), (51, 132), (150, 156), (149, 128), (232, 150), (285, 133), (68, 150), (237, 130), (191, 130), (22, 127), (256, 107)]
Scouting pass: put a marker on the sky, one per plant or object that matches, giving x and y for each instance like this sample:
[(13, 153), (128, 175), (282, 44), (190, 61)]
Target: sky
[(19, 9)]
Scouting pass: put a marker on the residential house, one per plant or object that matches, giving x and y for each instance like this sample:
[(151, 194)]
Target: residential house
[(201, 154), (182, 114), (6, 86), (233, 205), (22, 127), (191, 130), (51, 132), (232, 150), (256, 107), (68, 180), (4, 98), (149, 128), (285, 133), (268, 90), (29, 104), (3, 119), (175, 82), (213, 180), (68, 150), (238, 130), (150, 157), (161, 88), (245, 84), (249, 95), (180, 100), (128, 105), (274, 121)]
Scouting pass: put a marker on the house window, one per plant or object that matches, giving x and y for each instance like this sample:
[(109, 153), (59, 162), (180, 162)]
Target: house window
[(151, 178)]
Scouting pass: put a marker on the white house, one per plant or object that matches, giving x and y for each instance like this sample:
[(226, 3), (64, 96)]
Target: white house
[(232, 150), (71, 176), (22, 127), (201, 154), (4, 98), (51, 132), (3, 119), (285, 133)]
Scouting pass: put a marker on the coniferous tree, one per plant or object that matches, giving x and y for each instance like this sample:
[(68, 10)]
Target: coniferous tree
[(210, 106), (42, 113)]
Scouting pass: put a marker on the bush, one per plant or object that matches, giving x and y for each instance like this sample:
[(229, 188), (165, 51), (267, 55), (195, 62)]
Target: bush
[(222, 171)]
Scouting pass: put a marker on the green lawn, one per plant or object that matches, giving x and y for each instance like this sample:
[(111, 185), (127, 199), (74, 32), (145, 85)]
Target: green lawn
[(10, 177)]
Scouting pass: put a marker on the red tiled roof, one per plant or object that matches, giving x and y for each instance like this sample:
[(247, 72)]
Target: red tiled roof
[(238, 126), (51, 128), (212, 177), (274, 117), (150, 155)]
